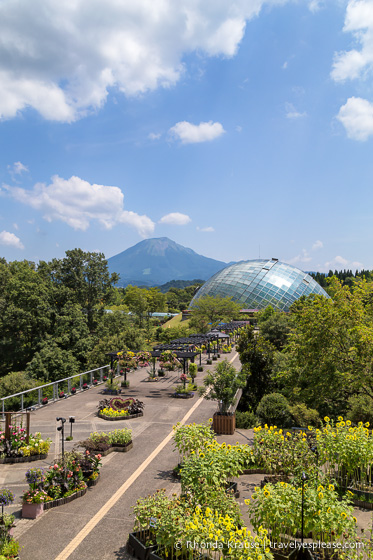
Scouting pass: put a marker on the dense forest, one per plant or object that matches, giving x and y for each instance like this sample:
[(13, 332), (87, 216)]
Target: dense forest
[(54, 319), (347, 277)]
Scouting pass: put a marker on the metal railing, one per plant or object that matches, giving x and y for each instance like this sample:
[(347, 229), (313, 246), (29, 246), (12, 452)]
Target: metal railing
[(97, 373)]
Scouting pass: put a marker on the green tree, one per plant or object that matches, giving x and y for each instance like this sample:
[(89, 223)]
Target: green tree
[(223, 381), (329, 356), (136, 300), (257, 358), (209, 311), (52, 363), (87, 277), (129, 339), (26, 314), (276, 329)]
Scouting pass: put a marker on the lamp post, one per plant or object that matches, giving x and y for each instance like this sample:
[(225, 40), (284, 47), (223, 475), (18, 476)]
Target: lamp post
[(304, 478), (71, 420), (62, 430)]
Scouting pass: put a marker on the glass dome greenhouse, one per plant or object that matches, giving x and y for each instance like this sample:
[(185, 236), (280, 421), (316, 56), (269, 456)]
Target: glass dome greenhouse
[(258, 283)]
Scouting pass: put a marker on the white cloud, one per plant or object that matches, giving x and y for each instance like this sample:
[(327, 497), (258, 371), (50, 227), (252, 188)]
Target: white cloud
[(208, 229), (357, 118), (303, 257), (154, 136), (357, 264), (77, 203), (190, 133), (17, 168), (175, 219), (336, 261), (292, 113), (359, 22), (317, 245), (315, 5), (61, 58), (11, 240)]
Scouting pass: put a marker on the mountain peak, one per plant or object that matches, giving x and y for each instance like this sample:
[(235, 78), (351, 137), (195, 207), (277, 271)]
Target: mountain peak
[(155, 261)]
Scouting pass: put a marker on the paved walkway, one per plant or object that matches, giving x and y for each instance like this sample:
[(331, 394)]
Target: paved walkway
[(96, 526)]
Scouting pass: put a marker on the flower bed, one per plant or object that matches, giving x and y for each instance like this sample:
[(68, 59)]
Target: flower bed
[(119, 408), (102, 415), (17, 450), (61, 483), (107, 442), (25, 459)]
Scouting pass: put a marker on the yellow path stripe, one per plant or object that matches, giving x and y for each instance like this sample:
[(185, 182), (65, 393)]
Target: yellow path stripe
[(73, 545)]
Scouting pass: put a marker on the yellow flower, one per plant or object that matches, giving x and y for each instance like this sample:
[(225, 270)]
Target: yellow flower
[(247, 501), (210, 420), (344, 515), (321, 495), (331, 487), (354, 518), (348, 422), (327, 419), (340, 418), (367, 424)]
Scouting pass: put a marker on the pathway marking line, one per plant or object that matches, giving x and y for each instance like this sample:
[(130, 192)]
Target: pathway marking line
[(71, 547), (76, 541)]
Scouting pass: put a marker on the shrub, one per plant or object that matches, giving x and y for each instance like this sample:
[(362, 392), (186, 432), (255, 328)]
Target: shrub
[(304, 416), (361, 409), (246, 419), (274, 409)]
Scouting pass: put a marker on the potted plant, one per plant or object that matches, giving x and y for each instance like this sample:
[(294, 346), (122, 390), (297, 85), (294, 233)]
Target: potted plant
[(224, 382), (95, 382), (73, 390), (6, 498), (193, 372), (61, 394), (104, 378), (33, 500), (85, 386), (45, 400), (125, 383)]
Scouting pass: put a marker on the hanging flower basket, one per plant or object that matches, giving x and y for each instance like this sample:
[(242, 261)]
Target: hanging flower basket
[(85, 386), (95, 382), (61, 394), (73, 390), (45, 400)]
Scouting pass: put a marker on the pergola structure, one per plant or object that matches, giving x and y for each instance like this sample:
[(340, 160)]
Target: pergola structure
[(181, 352)]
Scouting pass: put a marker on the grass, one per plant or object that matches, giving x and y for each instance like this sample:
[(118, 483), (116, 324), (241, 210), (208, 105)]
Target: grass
[(176, 322)]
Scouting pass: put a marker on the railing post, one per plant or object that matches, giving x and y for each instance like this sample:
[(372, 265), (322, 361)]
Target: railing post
[(39, 396), (22, 402), (3, 408), (80, 381)]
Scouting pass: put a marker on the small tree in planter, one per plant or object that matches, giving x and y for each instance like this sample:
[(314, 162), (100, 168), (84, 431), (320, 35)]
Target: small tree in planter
[(224, 381), (193, 371)]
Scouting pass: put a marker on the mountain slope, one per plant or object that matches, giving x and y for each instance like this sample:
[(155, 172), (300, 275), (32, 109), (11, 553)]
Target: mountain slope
[(153, 262)]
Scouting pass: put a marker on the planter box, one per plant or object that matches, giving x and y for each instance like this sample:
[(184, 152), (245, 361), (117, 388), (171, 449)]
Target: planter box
[(28, 459), (91, 483), (224, 424), (62, 501), (137, 548), (231, 488), (32, 511), (118, 448), (289, 553), (114, 418), (183, 395)]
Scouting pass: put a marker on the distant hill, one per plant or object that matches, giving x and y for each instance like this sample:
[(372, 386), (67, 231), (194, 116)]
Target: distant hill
[(179, 284), (154, 262)]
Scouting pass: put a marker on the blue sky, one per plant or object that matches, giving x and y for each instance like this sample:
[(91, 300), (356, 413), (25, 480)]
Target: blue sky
[(235, 128)]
